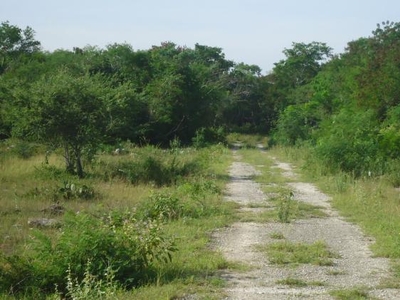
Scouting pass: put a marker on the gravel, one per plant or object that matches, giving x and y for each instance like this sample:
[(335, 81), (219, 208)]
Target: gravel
[(355, 267)]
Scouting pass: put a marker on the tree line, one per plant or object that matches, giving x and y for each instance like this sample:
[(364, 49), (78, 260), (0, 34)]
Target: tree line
[(344, 107)]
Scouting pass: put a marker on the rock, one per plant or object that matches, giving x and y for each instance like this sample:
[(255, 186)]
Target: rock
[(55, 209), (43, 222)]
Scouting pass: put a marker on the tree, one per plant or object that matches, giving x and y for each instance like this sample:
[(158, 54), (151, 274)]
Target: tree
[(14, 42), (379, 83), (65, 111), (246, 105), (302, 64)]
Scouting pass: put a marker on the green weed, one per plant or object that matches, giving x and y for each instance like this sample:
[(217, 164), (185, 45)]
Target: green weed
[(285, 253), (292, 282), (285, 207), (353, 294), (277, 236)]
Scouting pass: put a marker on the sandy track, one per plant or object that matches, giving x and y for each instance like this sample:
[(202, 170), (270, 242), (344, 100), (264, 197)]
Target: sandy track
[(355, 268)]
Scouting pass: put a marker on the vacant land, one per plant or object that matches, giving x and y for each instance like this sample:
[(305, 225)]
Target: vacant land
[(185, 223)]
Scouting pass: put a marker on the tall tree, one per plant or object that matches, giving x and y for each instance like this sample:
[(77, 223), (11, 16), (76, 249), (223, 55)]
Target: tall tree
[(302, 64), (67, 111), (14, 42)]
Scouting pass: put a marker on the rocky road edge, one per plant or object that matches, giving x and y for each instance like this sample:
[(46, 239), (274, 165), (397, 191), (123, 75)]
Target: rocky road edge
[(354, 268)]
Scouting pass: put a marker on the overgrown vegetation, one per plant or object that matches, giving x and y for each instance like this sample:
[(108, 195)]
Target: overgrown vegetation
[(79, 129), (113, 233)]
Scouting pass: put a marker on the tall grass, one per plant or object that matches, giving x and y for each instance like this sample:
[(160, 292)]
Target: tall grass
[(179, 187)]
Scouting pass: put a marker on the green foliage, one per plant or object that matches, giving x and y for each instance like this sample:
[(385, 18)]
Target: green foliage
[(349, 142), (192, 199), (284, 253), (295, 282), (207, 136), (49, 172), (116, 242), (285, 207), (295, 124), (24, 149), (155, 166), (71, 190), (15, 42), (90, 287), (68, 113), (353, 294), (347, 107), (161, 206)]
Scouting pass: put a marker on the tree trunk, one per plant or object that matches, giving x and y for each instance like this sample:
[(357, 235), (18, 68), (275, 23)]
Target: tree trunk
[(79, 167), (69, 160)]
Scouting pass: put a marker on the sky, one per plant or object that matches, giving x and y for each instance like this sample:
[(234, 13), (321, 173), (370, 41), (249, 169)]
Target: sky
[(254, 32)]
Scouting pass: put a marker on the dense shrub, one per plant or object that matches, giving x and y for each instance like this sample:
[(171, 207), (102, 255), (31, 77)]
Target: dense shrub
[(208, 136), (349, 142), (155, 166), (116, 241)]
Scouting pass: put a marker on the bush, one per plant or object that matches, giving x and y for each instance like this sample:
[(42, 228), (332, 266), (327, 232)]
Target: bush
[(190, 200), (158, 167), (116, 241), (161, 206), (70, 191), (24, 150), (207, 136), (351, 144)]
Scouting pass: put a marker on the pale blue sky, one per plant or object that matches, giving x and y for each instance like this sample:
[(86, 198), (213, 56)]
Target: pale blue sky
[(249, 31)]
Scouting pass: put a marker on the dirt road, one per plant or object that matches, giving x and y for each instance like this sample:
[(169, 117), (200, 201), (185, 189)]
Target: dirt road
[(353, 268)]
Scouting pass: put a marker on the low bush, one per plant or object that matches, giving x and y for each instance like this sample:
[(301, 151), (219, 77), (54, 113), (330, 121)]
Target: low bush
[(190, 200), (116, 241), (208, 136), (70, 191), (24, 150), (158, 167), (161, 206)]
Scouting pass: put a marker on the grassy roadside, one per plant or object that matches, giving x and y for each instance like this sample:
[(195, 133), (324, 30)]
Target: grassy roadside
[(182, 193), (371, 202)]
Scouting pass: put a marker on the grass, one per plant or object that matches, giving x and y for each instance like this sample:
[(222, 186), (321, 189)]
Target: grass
[(28, 185), (277, 236), (336, 272), (295, 282), (247, 141), (371, 202), (281, 198), (288, 253), (351, 294)]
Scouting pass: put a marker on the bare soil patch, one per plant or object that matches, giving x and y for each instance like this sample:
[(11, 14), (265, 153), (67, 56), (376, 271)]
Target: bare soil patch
[(354, 268)]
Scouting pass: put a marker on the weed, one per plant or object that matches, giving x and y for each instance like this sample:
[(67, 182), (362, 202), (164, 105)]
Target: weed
[(70, 191), (129, 247), (336, 272), (90, 287), (109, 232), (284, 209), (161, 206), (304, 210), (24, 150), (153, 166), (292, 282), (277, 236), (284, 253), (247, 140), (353, 294)]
